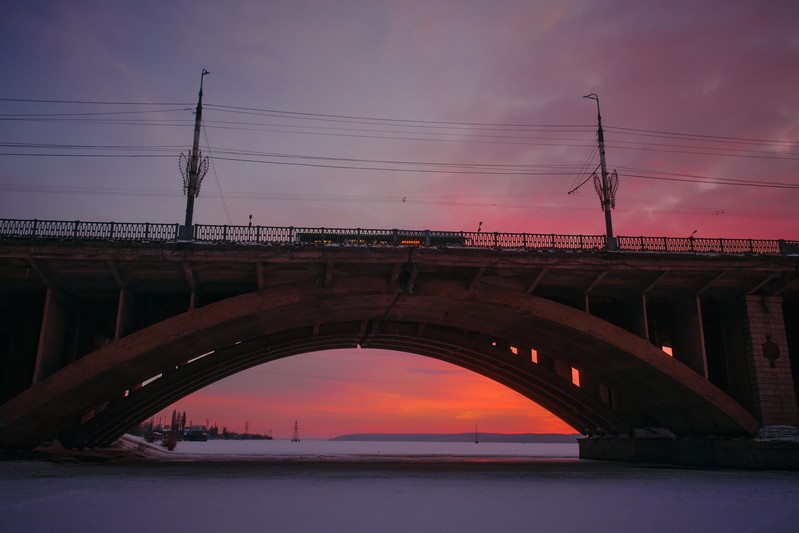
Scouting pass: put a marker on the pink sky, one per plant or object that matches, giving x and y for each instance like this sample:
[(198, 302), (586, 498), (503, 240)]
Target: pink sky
[(469, 84), (355, 391)]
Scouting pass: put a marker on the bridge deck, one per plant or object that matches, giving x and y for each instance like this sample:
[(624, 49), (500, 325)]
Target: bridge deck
[(270, 235), (223, 267)]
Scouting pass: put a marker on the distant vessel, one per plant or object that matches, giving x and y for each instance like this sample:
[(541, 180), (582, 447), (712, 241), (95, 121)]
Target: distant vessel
[(196, 433)]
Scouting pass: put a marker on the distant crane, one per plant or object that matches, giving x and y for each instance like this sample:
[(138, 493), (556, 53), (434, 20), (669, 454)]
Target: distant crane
[(295, 437)]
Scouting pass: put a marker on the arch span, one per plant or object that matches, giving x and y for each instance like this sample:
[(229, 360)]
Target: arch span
[(634, 383)]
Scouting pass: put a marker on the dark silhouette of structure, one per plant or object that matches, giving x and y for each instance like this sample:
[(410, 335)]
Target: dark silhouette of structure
[(295, 437), (103, 325)]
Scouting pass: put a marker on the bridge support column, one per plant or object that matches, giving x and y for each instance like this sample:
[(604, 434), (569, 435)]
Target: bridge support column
[(768, 362), (124, 322), (52, 338), (20, 324), (626, 310), (688, 334)]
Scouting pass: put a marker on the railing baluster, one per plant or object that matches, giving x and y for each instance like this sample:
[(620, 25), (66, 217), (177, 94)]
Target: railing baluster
[(55, 229)]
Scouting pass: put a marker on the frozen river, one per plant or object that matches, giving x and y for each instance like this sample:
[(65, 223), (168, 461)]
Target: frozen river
[(386, 487), (368, 450)]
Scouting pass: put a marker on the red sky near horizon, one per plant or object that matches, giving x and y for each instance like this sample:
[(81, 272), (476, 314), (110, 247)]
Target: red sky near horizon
[(417, 115), (363, 391)]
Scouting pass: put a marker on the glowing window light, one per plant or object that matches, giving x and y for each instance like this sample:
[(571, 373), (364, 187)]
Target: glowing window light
[(575, 377)]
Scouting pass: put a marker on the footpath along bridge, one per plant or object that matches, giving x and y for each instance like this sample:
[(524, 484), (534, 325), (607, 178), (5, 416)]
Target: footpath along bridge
[(104, 324)]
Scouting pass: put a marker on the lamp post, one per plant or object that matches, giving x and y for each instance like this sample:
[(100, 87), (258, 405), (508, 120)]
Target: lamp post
[(606, 189), (195, 167)]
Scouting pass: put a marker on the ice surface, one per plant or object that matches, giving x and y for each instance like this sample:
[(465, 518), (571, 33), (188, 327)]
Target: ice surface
[(294, 492), (366, 450)]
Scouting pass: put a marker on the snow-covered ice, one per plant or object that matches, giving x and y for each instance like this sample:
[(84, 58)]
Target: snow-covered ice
[(348, 488), (366, 450)]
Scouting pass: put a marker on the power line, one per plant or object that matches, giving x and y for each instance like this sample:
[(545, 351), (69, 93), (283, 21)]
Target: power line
[(399, 121), (216, 175), (446, 168), (446, 126), (692, 178), (451, 131), (750, 155), (102, 156), (396, 169), (367, 119), (90, 102), (33, 115), (373, 119), (700, 137), (440, 200), (36, 146)]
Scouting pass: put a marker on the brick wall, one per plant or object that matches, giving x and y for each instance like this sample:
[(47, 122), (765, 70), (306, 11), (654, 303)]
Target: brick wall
[(768, 361)]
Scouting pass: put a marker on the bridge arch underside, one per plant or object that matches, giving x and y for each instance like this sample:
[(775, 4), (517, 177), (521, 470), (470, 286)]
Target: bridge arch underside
[(625, 382)]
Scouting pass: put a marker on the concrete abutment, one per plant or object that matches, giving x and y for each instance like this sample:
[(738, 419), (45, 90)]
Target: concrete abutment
[(721, 452), (769, 362)]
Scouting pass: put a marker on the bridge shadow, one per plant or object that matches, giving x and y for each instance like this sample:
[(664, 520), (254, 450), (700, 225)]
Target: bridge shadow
[(626, 382)]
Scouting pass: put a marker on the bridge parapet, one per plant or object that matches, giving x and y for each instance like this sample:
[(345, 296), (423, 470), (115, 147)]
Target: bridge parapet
[(289, 235), (76, 229), (716, 246)]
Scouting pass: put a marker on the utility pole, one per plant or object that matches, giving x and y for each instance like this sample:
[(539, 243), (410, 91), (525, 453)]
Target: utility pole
[(606, 189), (195, 167)]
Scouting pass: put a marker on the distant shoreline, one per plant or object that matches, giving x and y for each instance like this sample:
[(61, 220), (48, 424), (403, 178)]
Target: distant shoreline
[(533, 438)]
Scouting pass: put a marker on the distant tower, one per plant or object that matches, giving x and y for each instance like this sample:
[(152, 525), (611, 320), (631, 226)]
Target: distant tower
[(295, 437)]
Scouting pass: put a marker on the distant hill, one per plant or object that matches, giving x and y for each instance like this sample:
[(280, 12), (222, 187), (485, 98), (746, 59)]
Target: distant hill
[(461, 437)]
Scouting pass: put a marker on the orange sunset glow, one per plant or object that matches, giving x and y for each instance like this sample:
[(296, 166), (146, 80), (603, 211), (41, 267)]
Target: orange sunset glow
[(364, 391)]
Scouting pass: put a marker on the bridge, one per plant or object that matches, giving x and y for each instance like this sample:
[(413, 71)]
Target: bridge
[(681, 350)]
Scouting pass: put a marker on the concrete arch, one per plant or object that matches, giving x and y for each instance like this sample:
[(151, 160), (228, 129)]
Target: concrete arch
[(440, 319)]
